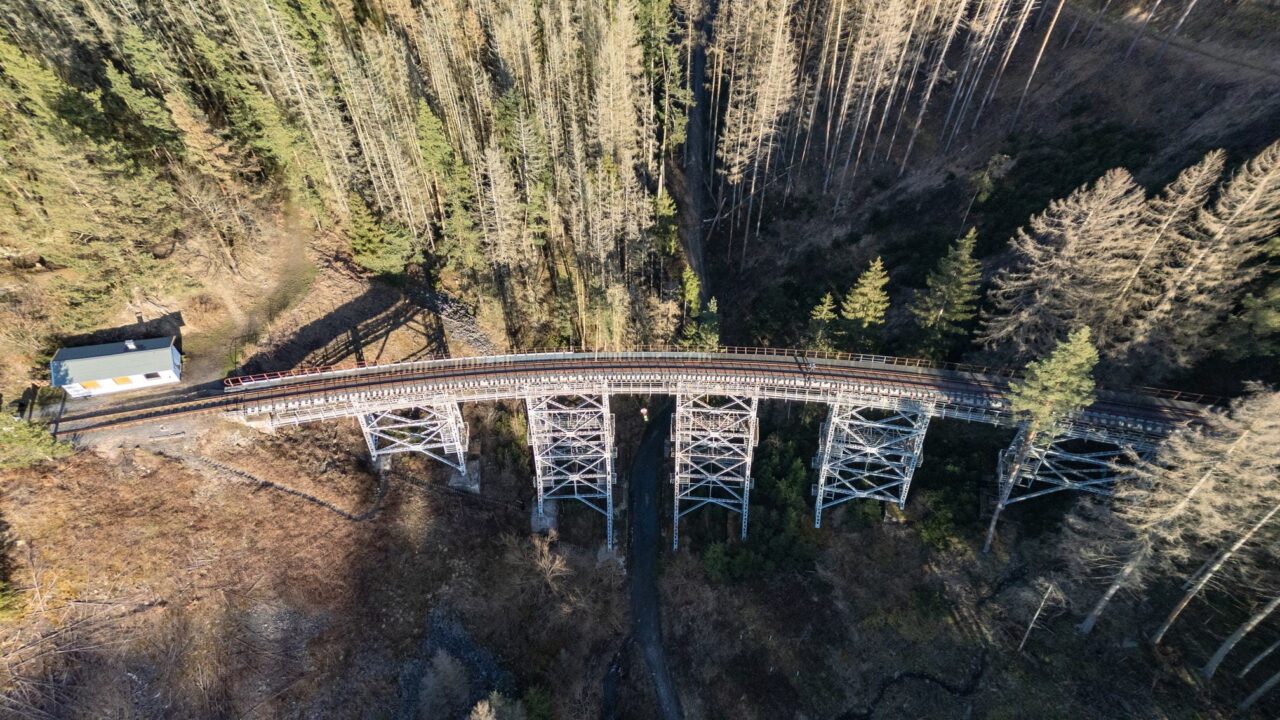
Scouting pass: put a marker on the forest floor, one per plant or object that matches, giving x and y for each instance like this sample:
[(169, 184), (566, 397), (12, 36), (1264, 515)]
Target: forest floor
[(228, 573), (900, 616)]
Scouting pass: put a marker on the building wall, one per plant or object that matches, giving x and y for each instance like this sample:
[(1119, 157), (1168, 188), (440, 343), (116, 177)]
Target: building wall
[(120, 384)]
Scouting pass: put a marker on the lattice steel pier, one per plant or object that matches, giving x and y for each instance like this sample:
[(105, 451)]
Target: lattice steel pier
[(573, 453), (1068, 461), (869, 451), (713, 438), (435, 430)]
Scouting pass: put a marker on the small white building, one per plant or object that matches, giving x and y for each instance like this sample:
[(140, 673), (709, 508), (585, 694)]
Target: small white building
[(115, 367)]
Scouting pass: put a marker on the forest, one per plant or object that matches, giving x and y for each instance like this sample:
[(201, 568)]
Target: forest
[(1083, 193)]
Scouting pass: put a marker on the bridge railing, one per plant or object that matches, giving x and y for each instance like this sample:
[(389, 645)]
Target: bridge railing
[(707, 353), (240, 381)]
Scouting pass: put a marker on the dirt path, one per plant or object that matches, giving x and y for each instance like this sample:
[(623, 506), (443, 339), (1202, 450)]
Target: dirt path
[(642, 562), (1123, 28), (694, 189)]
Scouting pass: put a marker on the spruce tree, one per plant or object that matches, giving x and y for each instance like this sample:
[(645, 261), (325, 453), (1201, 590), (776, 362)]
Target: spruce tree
[(1057, 386), (437, 153), (703, 332), (375, 247), (866, 303), (23, 444), (1164, 245), (951, 296), (690, 289), (820, 320), (1069, 265), (1229, 236)]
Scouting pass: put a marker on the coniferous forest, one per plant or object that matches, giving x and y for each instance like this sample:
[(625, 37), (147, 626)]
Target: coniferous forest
[(1080, 195)]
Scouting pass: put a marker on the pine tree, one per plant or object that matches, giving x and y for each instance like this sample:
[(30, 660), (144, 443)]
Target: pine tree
[(146, 121), (865, 305), (375, 247), (951, 296), (1055, 387), (666, 227)]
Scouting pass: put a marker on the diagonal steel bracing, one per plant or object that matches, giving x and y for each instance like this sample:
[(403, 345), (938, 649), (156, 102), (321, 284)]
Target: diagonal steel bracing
[(869, 452), (435, 430), (573, 453), (1067, 462), (712, 442)]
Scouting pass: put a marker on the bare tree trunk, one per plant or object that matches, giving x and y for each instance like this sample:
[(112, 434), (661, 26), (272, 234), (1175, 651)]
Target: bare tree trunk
[(1208, 574), (1176, 27), (1093, 25), (1142, 554), (1135, 561), (1031, 625), (933, 81), (1142, 31), (1262, 690), (1259, 658), (1035, 65), (1227, 645)]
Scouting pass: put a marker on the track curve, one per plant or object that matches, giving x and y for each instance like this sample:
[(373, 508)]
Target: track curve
[(954, 391)]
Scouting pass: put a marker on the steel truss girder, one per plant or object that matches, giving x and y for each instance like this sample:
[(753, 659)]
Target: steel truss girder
[(1070, 461), (713, 437), (861, 456), (573, 453), (436, 430)]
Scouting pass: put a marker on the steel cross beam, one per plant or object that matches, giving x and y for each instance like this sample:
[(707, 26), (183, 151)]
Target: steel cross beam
[(573, 453), (861, 456), (712, 441), (437, 431), (1069, 461)]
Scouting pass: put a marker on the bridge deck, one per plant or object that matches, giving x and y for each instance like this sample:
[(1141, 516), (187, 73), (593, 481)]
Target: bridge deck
[(954, 391)]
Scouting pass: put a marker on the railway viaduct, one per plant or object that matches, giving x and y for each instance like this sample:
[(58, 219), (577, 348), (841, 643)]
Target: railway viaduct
[(880, 408)]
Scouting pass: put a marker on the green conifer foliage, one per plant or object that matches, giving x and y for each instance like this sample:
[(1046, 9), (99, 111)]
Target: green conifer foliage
[(705, 331), (820, 319), (23, 444), (377, 247), (666, 228), (865, 305), (1055, 387), (867, 302), (951, 297), (453, 191), (690, 289)]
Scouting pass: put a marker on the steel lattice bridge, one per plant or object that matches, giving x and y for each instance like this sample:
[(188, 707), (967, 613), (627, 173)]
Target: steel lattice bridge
[(870, 445)]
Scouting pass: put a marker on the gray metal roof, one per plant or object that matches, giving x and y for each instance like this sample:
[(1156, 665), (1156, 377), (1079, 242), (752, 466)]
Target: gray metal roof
[(110, 360)]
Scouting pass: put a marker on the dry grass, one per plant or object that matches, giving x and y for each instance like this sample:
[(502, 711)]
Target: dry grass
[(154, 588)]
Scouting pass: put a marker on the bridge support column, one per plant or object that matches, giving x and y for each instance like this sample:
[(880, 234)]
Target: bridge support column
[(436, 430), (573, 453), (1067, 462), (712, 442), (861, 456)]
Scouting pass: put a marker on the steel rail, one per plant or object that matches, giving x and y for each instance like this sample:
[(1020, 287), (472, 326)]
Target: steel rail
[(512, 376)]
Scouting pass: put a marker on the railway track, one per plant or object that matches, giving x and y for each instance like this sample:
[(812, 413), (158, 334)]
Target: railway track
[(761, 370)]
